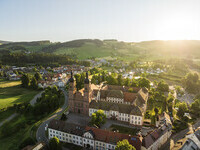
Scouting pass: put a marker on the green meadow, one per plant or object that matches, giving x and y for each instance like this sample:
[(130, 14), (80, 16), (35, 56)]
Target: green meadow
[(11, 93)]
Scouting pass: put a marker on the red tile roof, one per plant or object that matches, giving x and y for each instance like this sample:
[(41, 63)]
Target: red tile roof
[(114, 137), (129, 97)]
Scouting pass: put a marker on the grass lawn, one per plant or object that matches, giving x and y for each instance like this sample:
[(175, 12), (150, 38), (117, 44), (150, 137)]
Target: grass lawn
[(124, 130), (6, 114), (13, 141), (11, 93)]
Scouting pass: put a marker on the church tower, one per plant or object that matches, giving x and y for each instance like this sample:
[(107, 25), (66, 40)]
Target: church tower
[(71, 92), (87, 94)]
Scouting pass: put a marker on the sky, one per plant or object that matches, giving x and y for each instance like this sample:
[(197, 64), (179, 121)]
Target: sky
[(124, 20)]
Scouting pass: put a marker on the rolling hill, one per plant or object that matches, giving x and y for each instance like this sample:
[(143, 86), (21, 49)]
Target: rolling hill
[(94, 48)]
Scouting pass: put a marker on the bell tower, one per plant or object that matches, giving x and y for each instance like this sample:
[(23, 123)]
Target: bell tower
[(71, 92), (87, 94)]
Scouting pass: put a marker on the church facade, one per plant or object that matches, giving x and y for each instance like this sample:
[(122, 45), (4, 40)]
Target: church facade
[(79, 100), (116, 101)]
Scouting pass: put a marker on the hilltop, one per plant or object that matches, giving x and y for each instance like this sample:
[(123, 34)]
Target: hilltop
[(94, 48)]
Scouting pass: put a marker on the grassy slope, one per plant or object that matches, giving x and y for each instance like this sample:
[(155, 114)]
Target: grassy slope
[(36, 48), (148, 50), (11, 93), (12, 142), (86, 51)]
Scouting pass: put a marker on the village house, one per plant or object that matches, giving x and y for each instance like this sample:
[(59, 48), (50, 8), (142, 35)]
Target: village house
[(89, 137), (193, 141), (155, 139)]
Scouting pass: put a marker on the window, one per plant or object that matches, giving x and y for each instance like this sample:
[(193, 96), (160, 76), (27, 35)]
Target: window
[(135, 118), (138, 118)]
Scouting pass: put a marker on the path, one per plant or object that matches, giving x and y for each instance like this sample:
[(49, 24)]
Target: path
[(40, 134), (8, 119), (33, 101)]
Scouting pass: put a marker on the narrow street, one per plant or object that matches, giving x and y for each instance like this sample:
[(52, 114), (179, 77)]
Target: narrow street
[(40, 134)]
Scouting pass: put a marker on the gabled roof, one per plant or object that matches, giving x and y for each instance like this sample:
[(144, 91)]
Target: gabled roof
[(66, 127), (122, 108), (115, 94), (114, 137), (153, 136), (98, 134), (129, 97)]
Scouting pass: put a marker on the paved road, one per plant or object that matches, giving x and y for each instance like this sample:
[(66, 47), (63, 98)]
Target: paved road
[(40, 134), (33, 101), (8, 119)]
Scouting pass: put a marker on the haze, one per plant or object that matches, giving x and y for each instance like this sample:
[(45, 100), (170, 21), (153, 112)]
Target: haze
[(126, 20)]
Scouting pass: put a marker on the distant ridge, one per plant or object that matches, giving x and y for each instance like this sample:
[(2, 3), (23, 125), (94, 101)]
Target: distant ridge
[(4, 42), (94, 48)]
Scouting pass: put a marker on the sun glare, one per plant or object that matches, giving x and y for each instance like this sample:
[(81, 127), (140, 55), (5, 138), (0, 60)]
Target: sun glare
[(181, 26)]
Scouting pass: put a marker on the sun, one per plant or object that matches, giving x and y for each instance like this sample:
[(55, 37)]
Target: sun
[(176, 27)]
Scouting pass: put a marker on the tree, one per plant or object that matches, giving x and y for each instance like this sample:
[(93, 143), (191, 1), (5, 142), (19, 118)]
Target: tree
[(27, 141), (163, 86), (25, 80), (195, 108), (93, 80), (38, 76), (182, 108), (103, 76), (144, 82), (111, 80), (54, 144), (127, 82), (192, 83), (119, 79), (124, 145), (34, 83), (134, 83), (98, 118)]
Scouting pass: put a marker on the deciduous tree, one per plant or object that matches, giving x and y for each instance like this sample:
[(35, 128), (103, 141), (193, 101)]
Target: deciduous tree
[(124, 145)]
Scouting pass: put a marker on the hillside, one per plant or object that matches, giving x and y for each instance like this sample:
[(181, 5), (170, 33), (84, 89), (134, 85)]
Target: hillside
[(4, 42), (94, 48)]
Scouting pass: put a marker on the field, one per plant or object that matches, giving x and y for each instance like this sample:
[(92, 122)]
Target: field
[(86, 51), (11, 93), (23, 131)]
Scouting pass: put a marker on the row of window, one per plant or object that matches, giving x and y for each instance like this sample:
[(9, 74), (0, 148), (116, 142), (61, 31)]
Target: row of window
[(77, 140), (135, 122)]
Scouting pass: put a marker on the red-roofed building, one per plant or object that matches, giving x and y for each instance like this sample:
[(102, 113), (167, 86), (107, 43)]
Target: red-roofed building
[(89, 137)]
